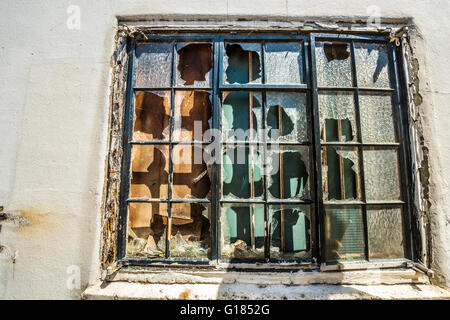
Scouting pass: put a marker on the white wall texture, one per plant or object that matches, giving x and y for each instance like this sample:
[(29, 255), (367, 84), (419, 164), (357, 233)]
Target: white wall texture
[(54, 89)]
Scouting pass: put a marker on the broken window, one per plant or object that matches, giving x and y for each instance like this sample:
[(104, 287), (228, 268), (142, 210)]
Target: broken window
[(306, 132)]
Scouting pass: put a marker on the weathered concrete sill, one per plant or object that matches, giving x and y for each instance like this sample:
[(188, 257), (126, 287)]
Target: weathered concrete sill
[(368, 284)]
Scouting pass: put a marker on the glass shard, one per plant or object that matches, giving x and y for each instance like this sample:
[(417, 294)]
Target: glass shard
[(190, 174), (344, 233), (154, 64), (242, 63), (191, 230), (377, 118), (242, 233), (152, 116), (381, 174), (372, 65), (290, 237), (149, 171), (283, 63), (286, 116), (337, 116), (340, 173), (146, 229), (194, 64), (333, 64), (385, 232), (193, 112)]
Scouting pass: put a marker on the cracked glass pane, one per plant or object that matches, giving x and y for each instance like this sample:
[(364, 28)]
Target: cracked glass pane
[(242, 233), (372, 65), (191, 230), (152, 116), (193, 109), (291, 179), (237, 122), (237, 173), (286, 113), (337, 117), (242, 63), (381, 174), (385, 232), (377, 118), (149, 171), (146, 229), (340, 173), (290, 228), (283, 63), (333, 64), (154, 64), (190, 174), (194, 64), (344, 233)]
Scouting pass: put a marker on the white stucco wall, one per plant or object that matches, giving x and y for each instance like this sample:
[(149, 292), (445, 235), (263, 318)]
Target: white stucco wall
[(54, 89)]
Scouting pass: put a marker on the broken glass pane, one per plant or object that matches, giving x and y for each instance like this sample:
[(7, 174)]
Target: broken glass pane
[(372, 65), (283, 63), (146, 229), (344, 233), (385, 232), (290, 237), (242, 228), (193, 112), (152, 116), (381, 174), (286, 113), (237, 124), (191, 230), (237, 173), (377, 119), (291, 179), (242, 63), (154, 64), (337, 116), (340, 173), (149, 171), (333, 64), (194, 64), (190, 174)]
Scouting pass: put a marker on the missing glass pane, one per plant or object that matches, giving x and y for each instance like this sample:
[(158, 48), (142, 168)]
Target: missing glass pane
[(283, 63), (242, 63), (242, 231), (154, 64), (333, 64), (194, 64)]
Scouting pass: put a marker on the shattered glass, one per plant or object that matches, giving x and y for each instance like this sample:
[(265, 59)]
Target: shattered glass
[(194, 64), (333, 64), (291, 108), (385, 232), (191, 230), (242, 63), (344, 233), (337, 116), (340, 173), (242, 235), (236, 122), (146, 229), (381, 174), (190, 179), (292, 177), (289, 228), (152, 116), (192, 108), (377, 118), (372, 65), (149, 171), (283, 63), (154, 64)]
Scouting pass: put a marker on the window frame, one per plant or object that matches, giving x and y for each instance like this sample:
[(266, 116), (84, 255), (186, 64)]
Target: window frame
[(311, 89)]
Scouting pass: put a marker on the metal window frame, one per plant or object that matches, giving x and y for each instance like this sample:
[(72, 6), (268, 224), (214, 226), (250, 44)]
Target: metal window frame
[(311, 89)]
